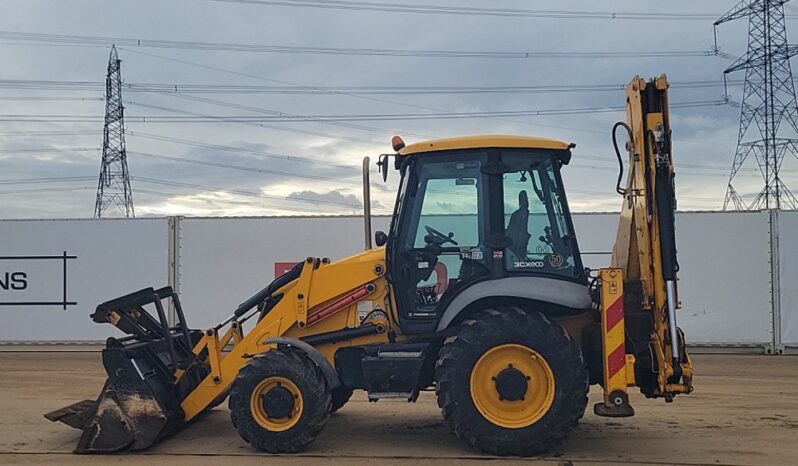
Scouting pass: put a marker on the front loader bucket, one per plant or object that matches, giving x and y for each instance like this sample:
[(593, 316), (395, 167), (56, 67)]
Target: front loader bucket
[(134, 411), (140, 402), (117, 420)]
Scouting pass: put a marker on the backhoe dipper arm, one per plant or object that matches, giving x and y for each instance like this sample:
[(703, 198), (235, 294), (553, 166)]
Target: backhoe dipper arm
[(645, 245)]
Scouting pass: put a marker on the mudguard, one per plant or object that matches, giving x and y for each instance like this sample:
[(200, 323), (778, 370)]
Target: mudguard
[(315, 355)]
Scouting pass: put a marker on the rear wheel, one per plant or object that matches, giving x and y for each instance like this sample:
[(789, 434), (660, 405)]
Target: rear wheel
[(280, 401), (511, 382)]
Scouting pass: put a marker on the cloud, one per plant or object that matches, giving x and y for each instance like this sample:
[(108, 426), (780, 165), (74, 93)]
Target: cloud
[(335, 198), (702, 136)]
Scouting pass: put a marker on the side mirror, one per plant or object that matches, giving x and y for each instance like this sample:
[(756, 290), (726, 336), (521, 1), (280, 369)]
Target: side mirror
[(382, 165), (380, 238)]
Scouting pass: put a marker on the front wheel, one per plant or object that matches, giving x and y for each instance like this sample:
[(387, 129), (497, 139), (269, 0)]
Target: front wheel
[(511, 382), (280, 401)]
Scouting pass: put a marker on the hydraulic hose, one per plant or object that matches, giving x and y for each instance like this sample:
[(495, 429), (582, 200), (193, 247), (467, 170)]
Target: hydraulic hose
[(618, 188)]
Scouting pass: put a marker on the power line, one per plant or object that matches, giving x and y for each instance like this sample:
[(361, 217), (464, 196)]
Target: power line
[(39, 150), (204, 118), (401, 90), (298, 86), (692, 167), (52, 98), (199, 65), (34, 84), (48, 133), (63, 179), (237, 89), (273, 113), (255, 122), (347, 51), (475, 11), (263, 78), (46, 190)]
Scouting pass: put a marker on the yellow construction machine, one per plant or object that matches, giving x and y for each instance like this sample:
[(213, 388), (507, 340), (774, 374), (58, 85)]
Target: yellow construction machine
[(477, 290)]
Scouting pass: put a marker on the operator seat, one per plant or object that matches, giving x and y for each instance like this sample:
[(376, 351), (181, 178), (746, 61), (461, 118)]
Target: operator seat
[(518, 227)]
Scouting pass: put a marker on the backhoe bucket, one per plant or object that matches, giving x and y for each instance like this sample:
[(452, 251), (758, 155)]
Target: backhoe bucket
[(140, 402)]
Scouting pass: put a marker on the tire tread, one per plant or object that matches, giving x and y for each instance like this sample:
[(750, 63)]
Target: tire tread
[(499, 325)]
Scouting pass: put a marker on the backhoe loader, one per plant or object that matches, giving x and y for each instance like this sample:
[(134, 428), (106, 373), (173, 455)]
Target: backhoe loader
[(477, 290)]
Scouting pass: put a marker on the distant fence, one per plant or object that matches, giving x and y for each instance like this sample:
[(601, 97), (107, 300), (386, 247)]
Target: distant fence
[(735, 280)]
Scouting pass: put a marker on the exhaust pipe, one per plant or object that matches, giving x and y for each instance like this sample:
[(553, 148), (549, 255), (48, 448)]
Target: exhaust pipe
[(367, 202)]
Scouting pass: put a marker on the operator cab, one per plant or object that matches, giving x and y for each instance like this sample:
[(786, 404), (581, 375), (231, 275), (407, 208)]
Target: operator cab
[(475, 209)]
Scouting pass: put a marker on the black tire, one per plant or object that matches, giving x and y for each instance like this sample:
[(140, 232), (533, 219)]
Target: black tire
[(219, 400), (306, 376), (510, 325), (339, 397)]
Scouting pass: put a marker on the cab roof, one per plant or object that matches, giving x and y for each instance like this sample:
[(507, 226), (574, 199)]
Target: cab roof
[(478, 142)]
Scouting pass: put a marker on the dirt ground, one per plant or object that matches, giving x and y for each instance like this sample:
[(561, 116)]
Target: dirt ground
[(744, 412)]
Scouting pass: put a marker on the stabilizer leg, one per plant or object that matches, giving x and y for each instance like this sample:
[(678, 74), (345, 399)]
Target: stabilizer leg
[(618, 367)]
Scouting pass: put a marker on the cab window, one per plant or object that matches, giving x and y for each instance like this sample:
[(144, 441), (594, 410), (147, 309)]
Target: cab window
[(446, 226), (535, 219)]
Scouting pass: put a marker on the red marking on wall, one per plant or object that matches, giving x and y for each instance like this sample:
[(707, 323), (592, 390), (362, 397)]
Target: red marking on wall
[(280, 268)]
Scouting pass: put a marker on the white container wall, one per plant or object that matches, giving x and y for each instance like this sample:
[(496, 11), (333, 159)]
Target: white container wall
[(45, 297), (223, 261), (725, 279), (718, 252), (596, 234), (788, 271)]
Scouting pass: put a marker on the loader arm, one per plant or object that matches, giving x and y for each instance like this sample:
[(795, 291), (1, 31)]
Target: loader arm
[(161, 376), (642, 280), (315, 295)]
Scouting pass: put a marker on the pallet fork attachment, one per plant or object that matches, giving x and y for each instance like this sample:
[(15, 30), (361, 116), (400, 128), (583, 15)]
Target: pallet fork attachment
[(140, 401), (150, 371), (161, 376)]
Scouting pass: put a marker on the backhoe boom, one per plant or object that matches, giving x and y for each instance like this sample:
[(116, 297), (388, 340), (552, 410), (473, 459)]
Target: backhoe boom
[(645, 247)]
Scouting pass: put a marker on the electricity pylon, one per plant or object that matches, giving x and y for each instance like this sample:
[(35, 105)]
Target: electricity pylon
[(113, 188), (768, 102)]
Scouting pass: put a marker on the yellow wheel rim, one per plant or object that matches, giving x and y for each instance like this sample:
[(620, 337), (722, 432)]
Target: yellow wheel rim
[(259, 413), (515, 363)]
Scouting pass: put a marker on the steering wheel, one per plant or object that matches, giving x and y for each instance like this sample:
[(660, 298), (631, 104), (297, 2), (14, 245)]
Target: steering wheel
[(442, 238)]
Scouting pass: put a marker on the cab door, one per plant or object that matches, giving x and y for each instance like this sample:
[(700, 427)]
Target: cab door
[(437, 243)]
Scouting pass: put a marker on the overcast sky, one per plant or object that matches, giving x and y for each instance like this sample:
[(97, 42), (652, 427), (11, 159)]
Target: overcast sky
[(704, 137)]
